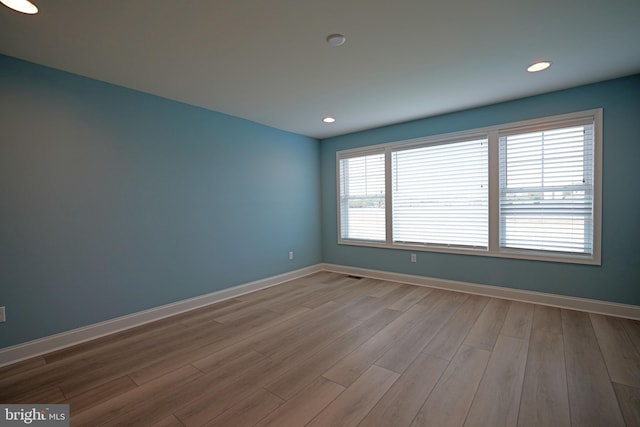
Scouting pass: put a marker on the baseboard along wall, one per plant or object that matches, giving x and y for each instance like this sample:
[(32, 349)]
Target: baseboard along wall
[(50, 343), (44, 345), (553, 300)]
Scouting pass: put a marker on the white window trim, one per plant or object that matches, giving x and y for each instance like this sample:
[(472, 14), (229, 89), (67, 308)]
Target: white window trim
[(491, 133)]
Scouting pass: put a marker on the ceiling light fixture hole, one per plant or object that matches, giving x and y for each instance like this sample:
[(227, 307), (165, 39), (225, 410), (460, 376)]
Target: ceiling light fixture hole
[(538, 66), (23, 6)]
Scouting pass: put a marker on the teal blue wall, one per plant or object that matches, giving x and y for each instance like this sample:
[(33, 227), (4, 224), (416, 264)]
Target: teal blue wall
[(113, 201), (617, 279)]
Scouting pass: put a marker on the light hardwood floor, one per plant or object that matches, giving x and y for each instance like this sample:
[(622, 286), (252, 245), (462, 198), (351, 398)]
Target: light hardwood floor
[(333, 350)]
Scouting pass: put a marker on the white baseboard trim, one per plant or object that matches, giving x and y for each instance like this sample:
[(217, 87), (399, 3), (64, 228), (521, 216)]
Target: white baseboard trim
[(553, 300), (51, 343), (44, 345)]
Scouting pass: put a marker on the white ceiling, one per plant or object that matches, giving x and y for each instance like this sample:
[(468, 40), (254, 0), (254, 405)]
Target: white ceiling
[(267, 60)]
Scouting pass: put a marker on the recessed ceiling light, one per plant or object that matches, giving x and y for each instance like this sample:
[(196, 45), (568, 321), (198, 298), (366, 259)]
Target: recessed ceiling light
[(538, 66), (336, 39), (329, 119), (23, 6)]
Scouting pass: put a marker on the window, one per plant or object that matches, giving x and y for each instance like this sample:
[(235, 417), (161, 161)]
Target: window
[(546, 190), (362, 197), (521, 190), (440, 194)]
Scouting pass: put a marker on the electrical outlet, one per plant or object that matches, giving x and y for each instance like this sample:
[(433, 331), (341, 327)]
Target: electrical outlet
[(291, 255), (2, 315), (413, 258)]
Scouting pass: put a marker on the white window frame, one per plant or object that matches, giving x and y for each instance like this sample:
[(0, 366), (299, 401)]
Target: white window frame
[(360, 153), (492, 134)]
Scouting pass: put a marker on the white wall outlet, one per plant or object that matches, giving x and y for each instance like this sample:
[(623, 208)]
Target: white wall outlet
[(2, 315), (291, 255), (413, 258)]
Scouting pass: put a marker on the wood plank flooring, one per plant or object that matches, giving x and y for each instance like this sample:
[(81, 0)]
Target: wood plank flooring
[(333, 350)]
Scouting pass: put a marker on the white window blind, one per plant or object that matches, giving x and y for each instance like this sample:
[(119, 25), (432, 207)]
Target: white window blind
[(440, 194), (546, 189), (362, 196)]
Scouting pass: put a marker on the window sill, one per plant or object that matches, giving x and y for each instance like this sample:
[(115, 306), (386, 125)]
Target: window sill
[(530, 255)]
